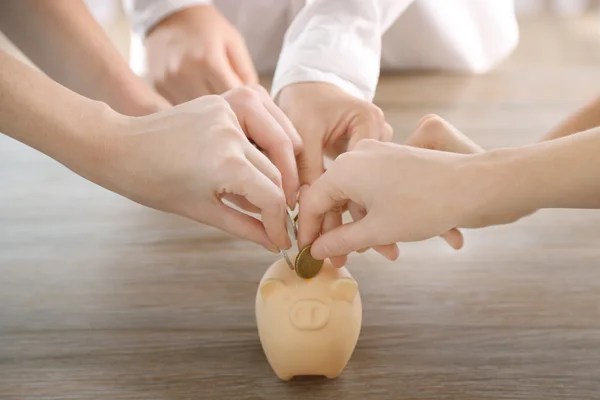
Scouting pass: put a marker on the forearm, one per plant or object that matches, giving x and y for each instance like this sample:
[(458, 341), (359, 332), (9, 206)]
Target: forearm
[(562, 173), (583, 119), (63, 39), (44, 115), (337, 42)]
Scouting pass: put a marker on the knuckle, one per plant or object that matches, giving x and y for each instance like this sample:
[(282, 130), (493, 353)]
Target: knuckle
[(344, 158), (258, 88), (344, 165), (231, 134), (432, 122), (282, 143), (427, 117), (246, 95), (223, 108), (180, 69), (372, 112), (219, 107), (197, 59), (388, 132), (171, 74), (276, 176), (278, 201), (218, 101), (235, 164), (430, 132), (310, 202), (364, 144)]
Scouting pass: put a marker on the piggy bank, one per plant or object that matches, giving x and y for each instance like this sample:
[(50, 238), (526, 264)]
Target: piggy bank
[(308, 327)]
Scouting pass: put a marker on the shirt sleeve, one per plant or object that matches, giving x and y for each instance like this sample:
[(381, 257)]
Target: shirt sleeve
[(339, 42), (144, 14)]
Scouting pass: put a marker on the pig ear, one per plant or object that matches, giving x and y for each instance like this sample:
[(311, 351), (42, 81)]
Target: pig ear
[(344, 289), (270, 286)]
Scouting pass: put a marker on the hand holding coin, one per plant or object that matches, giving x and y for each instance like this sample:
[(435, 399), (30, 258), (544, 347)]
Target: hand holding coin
[(305, 266)]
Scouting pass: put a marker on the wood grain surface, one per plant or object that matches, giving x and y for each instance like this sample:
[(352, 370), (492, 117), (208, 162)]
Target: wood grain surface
[(103, 299)]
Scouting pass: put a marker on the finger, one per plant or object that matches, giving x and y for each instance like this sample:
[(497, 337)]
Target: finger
[(454, 238), (357, 213), (309, 222), (315, 201), (263, 164), (269, 135), (269, 198), (332, 220), (242, 203), (389, 251), (368, 130), (282, 119), (240, 225), (241, 62), (345, 239)]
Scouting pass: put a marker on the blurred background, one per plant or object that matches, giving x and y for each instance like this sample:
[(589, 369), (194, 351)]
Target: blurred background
[(582, 16)]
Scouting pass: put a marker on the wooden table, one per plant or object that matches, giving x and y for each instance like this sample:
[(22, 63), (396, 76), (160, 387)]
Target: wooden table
[(103, 299)]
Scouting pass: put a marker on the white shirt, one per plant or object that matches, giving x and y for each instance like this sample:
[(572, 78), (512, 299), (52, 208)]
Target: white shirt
[(340, 41)]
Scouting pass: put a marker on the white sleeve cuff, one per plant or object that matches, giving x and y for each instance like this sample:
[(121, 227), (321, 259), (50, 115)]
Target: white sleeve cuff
[(337, 42), (290, 71), (144, 14), (352, 66)]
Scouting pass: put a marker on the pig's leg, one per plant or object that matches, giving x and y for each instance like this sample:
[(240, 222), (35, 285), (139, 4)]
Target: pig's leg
[(284, 377), (334, 374)]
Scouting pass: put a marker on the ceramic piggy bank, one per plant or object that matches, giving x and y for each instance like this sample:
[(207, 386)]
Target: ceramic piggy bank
[(308, 327)]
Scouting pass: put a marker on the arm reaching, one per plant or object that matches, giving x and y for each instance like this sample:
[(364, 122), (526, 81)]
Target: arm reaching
[(445, 190), (326, 77), (583, 119), (63, 39), (337, 42), (183, 160)]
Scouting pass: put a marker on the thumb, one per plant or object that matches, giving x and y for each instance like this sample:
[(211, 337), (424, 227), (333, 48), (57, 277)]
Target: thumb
[(345, 239)]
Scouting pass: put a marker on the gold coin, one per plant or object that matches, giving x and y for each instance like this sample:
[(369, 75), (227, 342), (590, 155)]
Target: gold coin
[(306, 266)]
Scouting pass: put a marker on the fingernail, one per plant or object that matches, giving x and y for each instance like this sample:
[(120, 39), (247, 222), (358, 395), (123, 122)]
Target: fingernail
[(273, 248), (291, 204)]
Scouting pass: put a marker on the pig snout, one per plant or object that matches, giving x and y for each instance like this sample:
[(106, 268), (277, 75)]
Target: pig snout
[(309, 315)]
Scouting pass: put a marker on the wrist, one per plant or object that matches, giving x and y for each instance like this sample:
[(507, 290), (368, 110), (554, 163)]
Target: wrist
[(96, 148), (133, 97), (496, 182)]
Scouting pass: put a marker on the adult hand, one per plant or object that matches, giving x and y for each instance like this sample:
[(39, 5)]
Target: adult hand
[(330, 122), (404, 193), (269, 128), (185, 159), (401, 194), (195, 52)]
